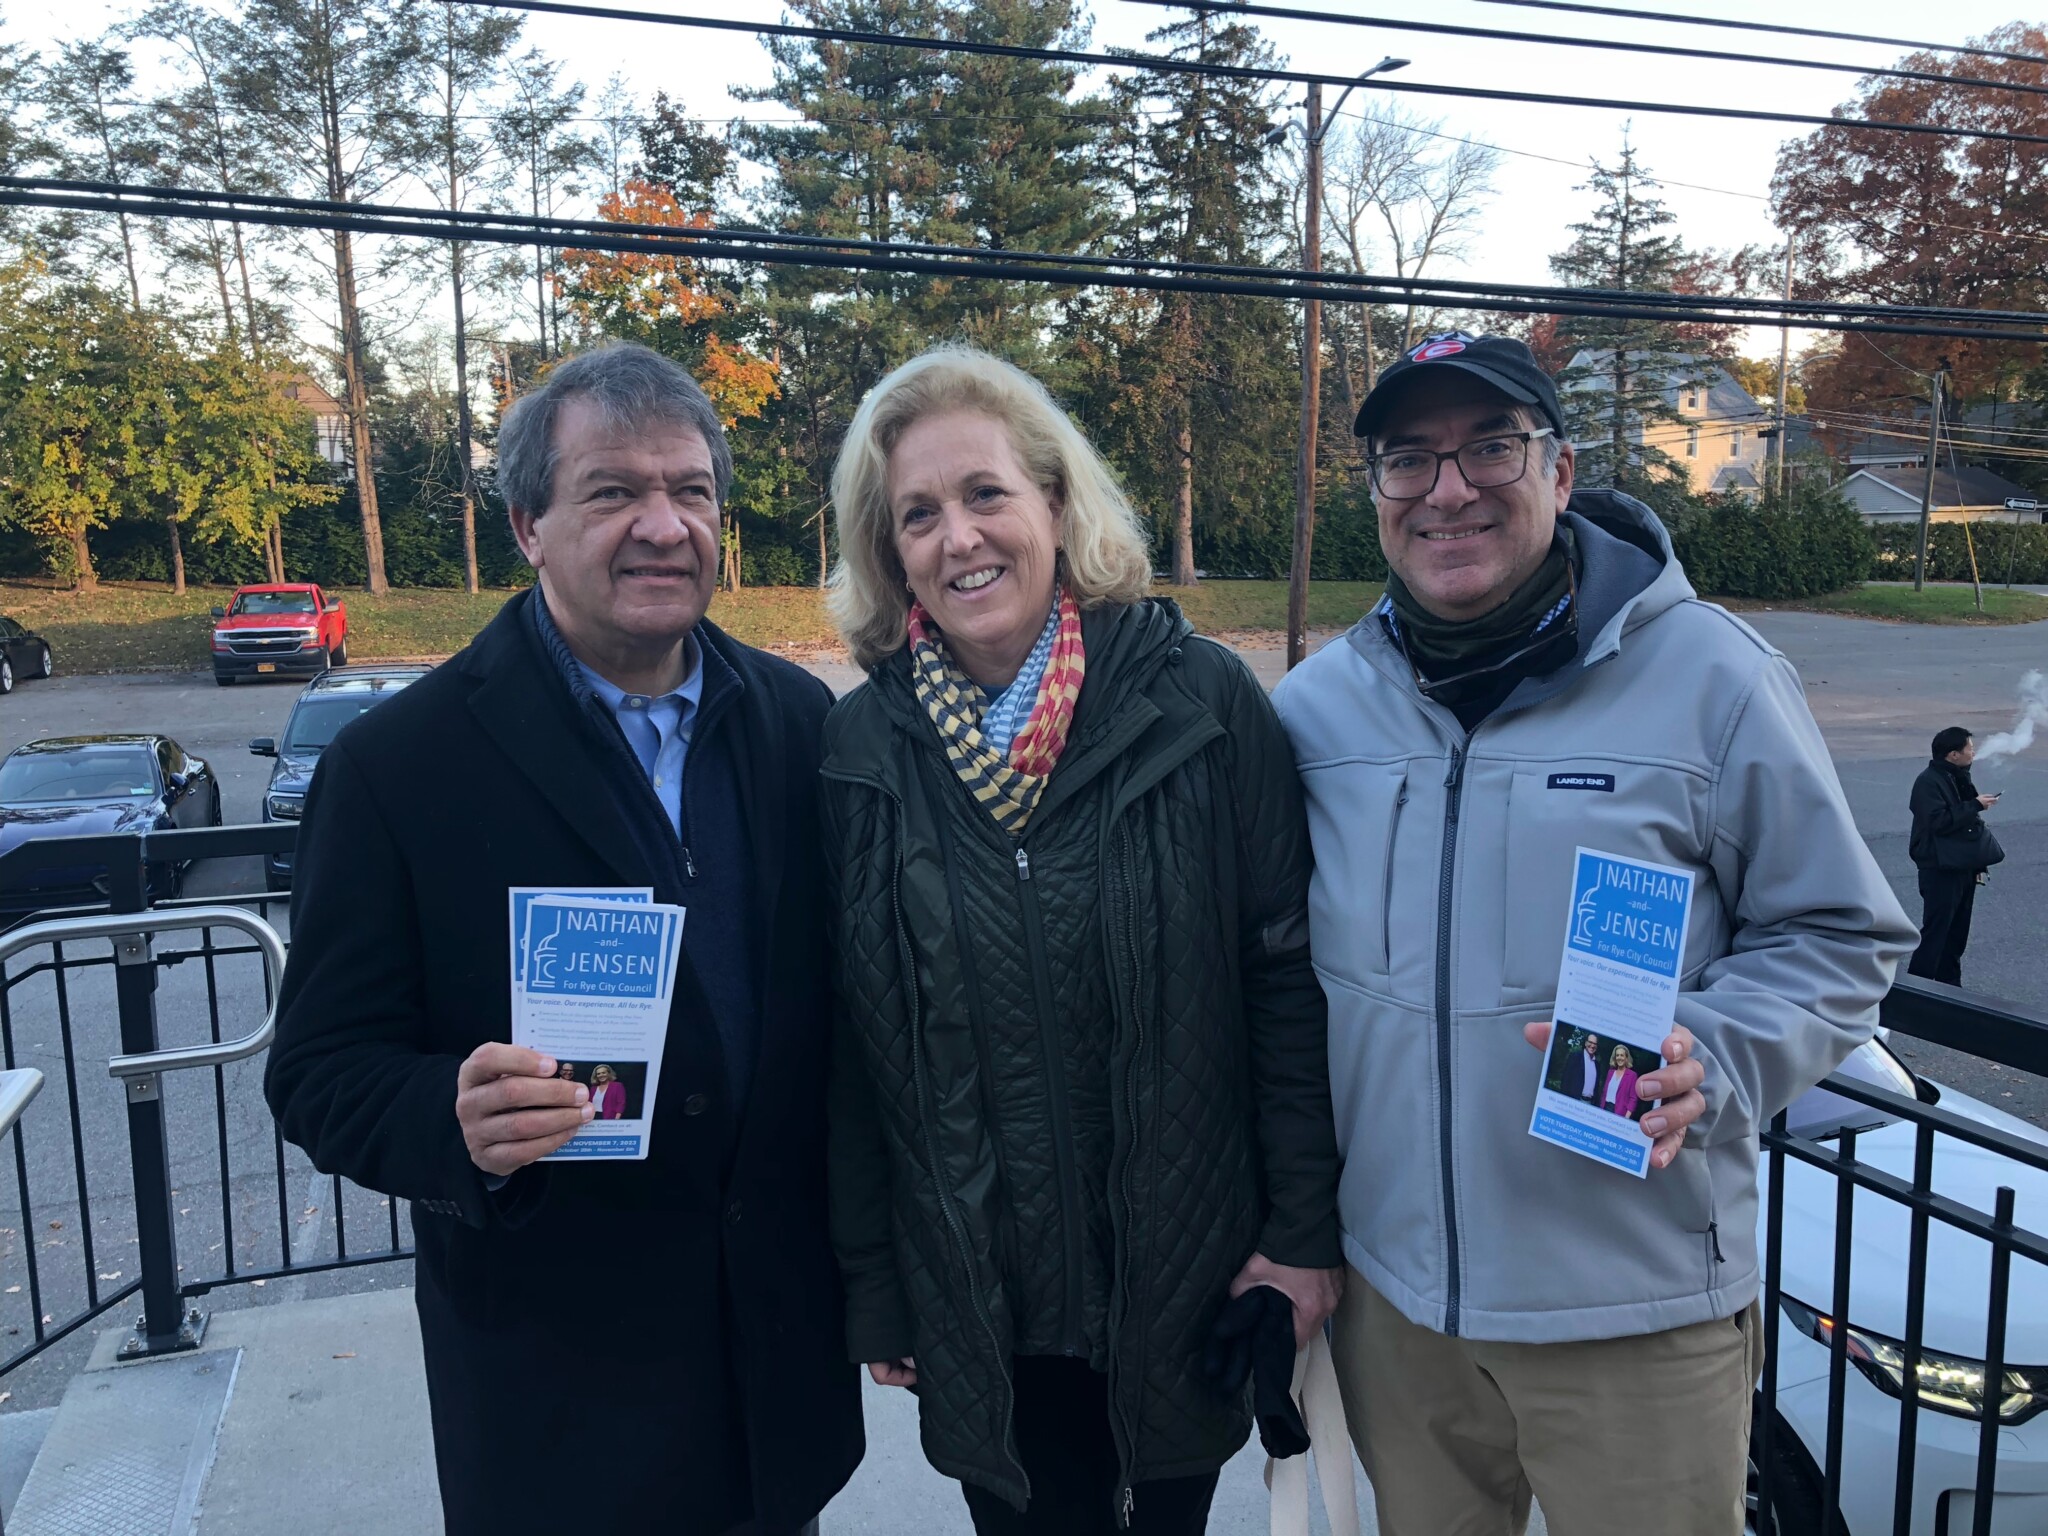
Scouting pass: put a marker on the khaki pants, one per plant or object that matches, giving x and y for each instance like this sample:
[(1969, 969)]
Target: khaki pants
[(1613, 1436)]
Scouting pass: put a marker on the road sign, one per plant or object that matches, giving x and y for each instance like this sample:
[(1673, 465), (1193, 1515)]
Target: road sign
[(2021, 504)]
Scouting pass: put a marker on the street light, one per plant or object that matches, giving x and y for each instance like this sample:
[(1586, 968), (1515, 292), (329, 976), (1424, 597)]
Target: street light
[(1317, 128)]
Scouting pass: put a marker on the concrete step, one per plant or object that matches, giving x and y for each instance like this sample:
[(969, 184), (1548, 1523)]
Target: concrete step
[(311, 1418)]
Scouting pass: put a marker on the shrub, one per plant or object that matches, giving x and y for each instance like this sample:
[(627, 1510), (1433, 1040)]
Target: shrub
[(1812, 541), (2006, 551)]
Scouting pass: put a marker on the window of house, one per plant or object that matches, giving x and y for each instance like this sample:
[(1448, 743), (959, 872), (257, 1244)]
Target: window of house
[(1735, 444), (1692, 397), (1692, 442)]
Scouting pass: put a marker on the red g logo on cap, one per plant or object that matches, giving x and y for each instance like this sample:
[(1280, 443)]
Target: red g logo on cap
[(1439, 346)]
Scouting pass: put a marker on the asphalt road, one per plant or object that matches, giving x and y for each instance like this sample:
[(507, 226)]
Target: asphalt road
[(1879, 691)]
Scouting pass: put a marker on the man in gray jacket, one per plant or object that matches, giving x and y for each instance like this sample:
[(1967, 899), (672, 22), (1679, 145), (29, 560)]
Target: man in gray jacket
[(1541, 677)]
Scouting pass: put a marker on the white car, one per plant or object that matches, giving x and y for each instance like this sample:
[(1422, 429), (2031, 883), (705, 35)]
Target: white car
[(1957, 1304)]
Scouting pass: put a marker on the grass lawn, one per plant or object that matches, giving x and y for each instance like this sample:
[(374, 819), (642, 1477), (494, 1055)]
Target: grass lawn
[(142, 627), (1942, 604)]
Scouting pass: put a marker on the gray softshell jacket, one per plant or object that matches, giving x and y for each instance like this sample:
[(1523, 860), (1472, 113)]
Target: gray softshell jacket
[(1437, 918)]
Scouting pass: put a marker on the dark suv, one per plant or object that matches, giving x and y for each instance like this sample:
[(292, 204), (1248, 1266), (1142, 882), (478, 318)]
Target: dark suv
[(329, 702)]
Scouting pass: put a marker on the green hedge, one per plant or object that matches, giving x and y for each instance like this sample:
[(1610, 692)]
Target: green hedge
[(1811, 542), (2015, 552)]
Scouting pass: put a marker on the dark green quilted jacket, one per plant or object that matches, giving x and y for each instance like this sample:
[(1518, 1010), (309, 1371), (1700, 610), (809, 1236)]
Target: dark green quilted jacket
[(1161, 889)]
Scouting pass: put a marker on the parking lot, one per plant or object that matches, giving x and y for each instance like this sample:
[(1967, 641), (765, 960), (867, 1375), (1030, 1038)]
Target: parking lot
[(1878, 691)]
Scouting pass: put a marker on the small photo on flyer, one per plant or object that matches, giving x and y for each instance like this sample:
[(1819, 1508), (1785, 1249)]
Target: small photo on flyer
[(618, 1089), (1601, 1073)]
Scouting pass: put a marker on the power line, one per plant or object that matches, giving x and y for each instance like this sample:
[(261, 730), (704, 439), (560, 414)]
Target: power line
[(1560, 40), (1768, 26), (1162, 64), (754, 244), (951, 261)]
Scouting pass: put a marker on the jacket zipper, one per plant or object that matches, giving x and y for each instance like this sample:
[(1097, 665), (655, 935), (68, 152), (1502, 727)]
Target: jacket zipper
[(1454, 786), (1056, 1095), (1127, 900), (908, 959)]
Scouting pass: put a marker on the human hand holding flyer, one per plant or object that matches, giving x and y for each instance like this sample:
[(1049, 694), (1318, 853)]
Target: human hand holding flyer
[(1617, 994), (593, 972)]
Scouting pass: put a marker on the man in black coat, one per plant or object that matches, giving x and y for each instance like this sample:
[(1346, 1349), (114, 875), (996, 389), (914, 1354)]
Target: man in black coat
[(1945, 805), (639, 1345)]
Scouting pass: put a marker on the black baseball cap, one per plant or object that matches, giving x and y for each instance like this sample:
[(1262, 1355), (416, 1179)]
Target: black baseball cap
[(1501, 361)]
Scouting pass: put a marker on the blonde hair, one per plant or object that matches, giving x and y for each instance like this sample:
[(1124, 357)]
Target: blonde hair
[(1103, 549)]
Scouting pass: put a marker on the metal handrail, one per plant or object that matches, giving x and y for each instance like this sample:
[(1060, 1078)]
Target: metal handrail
[(137, 926), (18, 1088)]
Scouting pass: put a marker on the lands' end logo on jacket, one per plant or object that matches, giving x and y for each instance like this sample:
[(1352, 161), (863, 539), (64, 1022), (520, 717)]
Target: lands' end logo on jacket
[(1600, 781)]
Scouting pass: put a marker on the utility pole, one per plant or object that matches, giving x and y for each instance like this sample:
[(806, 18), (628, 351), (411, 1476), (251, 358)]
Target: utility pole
[(1927, 487), (1311, 390), (1315, 127), (1784, 358)]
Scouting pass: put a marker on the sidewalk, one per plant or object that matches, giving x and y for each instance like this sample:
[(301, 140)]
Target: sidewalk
[(311, 1418)]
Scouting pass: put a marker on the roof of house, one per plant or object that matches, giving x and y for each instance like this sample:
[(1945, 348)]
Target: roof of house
[(304, 389), (1726, 399), (1967, 485)]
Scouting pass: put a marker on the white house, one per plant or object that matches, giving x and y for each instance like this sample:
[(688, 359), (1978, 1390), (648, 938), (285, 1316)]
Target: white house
[(1718, 436)]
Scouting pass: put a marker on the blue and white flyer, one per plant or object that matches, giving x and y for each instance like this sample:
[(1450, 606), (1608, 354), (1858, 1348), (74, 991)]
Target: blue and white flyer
[(593, 974), (1617, 994)]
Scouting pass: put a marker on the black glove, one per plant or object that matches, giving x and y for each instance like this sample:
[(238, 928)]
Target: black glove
[(1254, 1337)]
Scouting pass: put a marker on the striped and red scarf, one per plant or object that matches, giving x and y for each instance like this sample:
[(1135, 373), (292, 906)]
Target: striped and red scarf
[(1008, 788)]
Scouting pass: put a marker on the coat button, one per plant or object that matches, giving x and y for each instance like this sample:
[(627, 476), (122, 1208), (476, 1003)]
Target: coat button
[(732, 1213), (696, 1104)]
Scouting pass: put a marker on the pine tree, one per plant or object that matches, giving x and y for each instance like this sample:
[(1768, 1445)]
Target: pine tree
[(1624, 370), (1194, 150), (328, 87)]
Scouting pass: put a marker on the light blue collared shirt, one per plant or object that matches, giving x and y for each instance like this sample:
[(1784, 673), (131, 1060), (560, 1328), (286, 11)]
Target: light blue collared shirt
[(658, 727)]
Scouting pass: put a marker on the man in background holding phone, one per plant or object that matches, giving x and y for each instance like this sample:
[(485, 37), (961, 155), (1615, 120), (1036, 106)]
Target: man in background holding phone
[(1952, 849)]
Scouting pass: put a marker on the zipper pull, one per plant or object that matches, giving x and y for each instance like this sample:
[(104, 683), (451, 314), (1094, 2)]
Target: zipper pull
[(1129, 1502), (1714, 1237), (689, 864), (1023, 865), (1454, 781)]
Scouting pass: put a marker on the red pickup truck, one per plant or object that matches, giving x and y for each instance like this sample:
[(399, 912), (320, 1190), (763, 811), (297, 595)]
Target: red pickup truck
[(292, 629)]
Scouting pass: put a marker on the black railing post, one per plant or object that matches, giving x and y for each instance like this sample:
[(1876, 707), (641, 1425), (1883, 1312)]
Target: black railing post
[(165, 1325)]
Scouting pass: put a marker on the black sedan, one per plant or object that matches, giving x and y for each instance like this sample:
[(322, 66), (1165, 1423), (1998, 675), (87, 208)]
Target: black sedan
[(23, 653), (79, 786)]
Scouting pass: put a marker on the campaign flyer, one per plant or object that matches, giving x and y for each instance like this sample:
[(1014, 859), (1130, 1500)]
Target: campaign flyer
[(1617, 994), (521, 897), (593, 976)]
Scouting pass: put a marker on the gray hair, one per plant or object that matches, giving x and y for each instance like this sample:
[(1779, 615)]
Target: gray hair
[(631, 386)]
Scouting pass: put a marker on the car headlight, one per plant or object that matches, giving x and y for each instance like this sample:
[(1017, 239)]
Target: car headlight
[(1948, 1383), (220, 640), (285, 807)]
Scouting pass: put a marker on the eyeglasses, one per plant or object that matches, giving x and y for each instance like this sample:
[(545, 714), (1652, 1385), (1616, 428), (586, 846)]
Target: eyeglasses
[(1406, 473)]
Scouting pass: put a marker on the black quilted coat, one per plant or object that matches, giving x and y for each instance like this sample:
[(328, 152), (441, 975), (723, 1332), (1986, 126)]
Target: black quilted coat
[(1164, 876)]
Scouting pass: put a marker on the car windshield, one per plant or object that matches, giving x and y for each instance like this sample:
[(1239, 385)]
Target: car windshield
[(316, 719), (263, 604), (84, 773)]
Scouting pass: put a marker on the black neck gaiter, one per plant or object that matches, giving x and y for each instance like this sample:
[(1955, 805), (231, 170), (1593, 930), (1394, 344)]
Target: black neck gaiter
[(1475, 663)]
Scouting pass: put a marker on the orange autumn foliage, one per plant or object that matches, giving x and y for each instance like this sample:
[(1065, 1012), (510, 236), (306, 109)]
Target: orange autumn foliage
[(629, 290)]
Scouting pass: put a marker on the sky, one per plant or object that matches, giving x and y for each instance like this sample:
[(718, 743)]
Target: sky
[(1715, 174)]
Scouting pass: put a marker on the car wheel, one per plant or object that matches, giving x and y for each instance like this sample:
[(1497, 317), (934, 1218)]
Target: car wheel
[(341, 654), (48, 666), (272, 881), (1796, 1489), (216, 807), (222, 679), (6, 675)]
